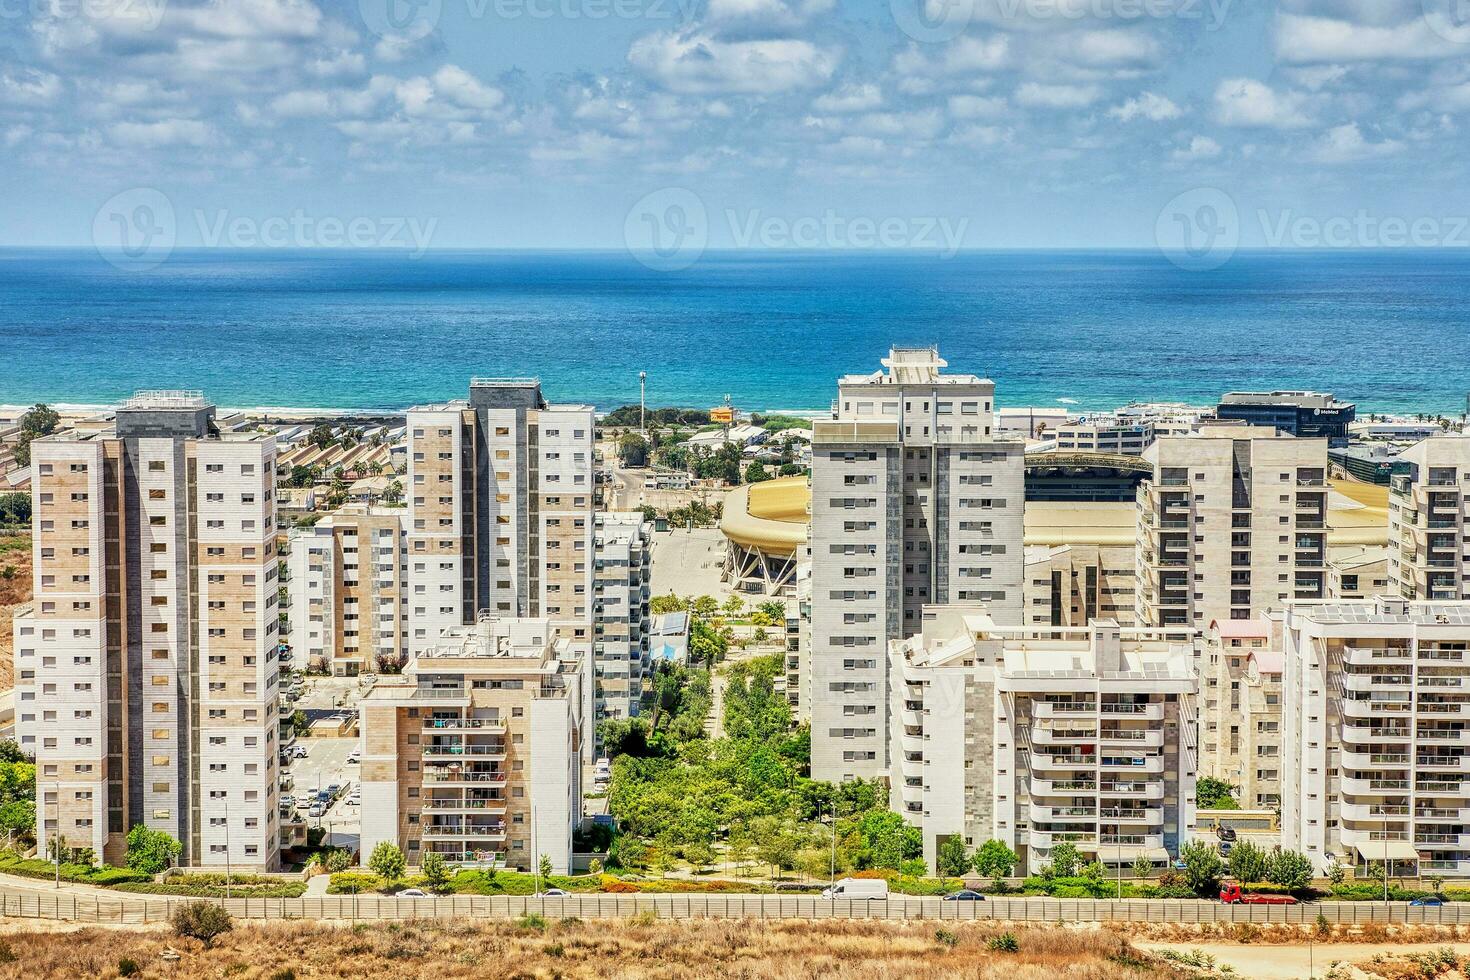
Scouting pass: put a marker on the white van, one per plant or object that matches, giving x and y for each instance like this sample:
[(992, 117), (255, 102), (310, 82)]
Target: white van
[(858, 890)]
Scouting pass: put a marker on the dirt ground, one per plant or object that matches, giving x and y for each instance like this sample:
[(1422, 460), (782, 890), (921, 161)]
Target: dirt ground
[(15, 555)]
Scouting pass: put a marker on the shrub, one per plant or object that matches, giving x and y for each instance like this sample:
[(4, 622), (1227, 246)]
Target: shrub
[(1004, 943), (351, 882), (531, 921), (436, 874), (946, 938), (284, 973), (127, 967), (202, 921), (1289, 868), (151, 851), (338, 860), (7, 955), (1202, 866), (387, 861)]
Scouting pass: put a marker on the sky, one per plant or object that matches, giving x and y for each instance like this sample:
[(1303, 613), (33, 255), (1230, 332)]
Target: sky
[(659, 125)]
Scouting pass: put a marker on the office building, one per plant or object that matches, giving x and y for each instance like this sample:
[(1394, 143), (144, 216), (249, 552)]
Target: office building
[(620, 659), (1241, 738), (147, 666), (500, 501), (1308, 414), (1231, 524), (1374, 707), (1035, 737), (346, 591), (1428, 498), (475, 751), (915, 501)]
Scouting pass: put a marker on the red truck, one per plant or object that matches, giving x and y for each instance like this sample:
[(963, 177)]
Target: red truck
[(1231, 894)]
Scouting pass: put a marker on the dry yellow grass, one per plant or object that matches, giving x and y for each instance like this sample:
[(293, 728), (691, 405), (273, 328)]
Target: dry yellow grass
[(586, 949)]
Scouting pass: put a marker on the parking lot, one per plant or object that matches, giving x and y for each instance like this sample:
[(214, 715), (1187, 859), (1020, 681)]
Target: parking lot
[(326, 759)]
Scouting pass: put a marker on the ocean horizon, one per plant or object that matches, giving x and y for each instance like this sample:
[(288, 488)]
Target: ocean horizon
[(1084, 329)]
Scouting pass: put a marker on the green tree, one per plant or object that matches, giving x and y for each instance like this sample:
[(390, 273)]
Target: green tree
[(321, 436), (201, 920), (151, 851), (705, 607), (661, 604), (1336, 872), (995, 860), (1289, 869), (1065, 859), (301, 476), (544, 866), (39, 421), (387, 862), (436, 872), (733, 607), (1142, 867), (393, 493), (755, 472), (1215, 794), (15, 508), (1203, 868), (1247, 862), (699, 853), (950, 859), (632, 449)]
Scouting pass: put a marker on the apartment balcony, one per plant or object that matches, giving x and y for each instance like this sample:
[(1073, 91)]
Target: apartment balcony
[(1452, 814), (487, 725), (1147, 711), (1369, 656), (1041, 787), (1444, 763), (1351, 836), (1147, 842), (1145, 815), (1373, 786), (1370, 683), (465, 806), (1366, 734), (912, 743), (1041, 735), (1061, 709), (1374, 812), (1141, 737), (486, 752), (1352, 759), (1440, 681), (1433, 784), (1062, 814), (1112, 764), (1041, 761), (1450, 869), (1131, 789), (911, 718), (456, 776), (1445, 709), (1042, 840), (1442, 736), (466, 831), (1440, 841)]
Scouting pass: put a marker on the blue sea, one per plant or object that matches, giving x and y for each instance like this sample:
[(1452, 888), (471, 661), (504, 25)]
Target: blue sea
[(1389, 330)]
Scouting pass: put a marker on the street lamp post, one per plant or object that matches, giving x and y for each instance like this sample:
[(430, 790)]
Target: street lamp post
[(832, 874), (642, 402)]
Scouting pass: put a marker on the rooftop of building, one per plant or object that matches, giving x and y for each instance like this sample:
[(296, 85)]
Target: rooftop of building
[(1241, 629), (913, 366), (1382, 609), (1299, 399)]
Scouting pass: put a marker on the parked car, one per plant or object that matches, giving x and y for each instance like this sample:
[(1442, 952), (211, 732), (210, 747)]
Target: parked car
[(1231, 894), (287, 800), (316, 810), (964, 895), (552, 893), (298, 752), (1427, 902), (354, 798), (859, 889), (414, 893), (1225, 833), (334, 790)]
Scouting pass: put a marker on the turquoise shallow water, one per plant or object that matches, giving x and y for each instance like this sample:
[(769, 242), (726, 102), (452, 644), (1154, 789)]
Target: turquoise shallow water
[(1389, 330)]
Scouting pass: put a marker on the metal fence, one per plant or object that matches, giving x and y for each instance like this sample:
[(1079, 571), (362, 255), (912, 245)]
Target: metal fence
[(85, 908)]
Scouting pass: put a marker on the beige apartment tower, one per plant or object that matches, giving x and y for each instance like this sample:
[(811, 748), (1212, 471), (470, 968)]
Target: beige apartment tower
[(1242, 710), (915, 501), (475, 751), (1232, 523), (1429, 495), (147, 666)]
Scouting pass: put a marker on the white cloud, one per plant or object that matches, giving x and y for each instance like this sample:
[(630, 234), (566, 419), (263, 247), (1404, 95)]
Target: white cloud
[(28, 87), (698, 63), (1247, 102), (166, 132), (1057, 96), (902, 125), (1199, 148), (465, 90), (1345, 144), (768, 13), (850, 98), (1307, 40), (977, 106), (1108, 49), (304, 104), (962, 56), (1147, 105)]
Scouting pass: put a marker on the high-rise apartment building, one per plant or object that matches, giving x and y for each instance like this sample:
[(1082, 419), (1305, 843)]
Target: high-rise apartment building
[(1232, 523), (1375, 762), (475, 751), (1074, 584), (915, 501), (1241, 738), (1037, 737), (622, 540), (147, 666), (1428, 503), (500, 493), (346, 588)]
